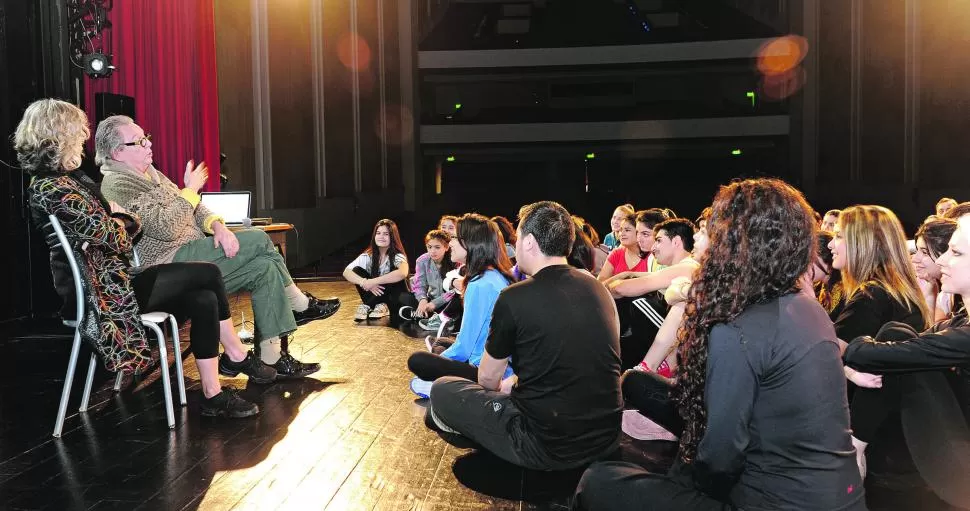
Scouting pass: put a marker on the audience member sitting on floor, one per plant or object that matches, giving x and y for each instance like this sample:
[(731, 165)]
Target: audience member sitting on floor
[(869, 249), (49, 142), (932, 391), (612, 239), (628, 256), (631, 256), (931, 241), (751, 437), (508, 235), (647, 221), (829, 220), (427, 291), (662, 353), (702, 219), (674, 242), (175, 225), (601, 251), (943, 205), (958, 211), (488, 272), (826, 280), (449, 224), (379, 272), (558, 330), (582, 254)]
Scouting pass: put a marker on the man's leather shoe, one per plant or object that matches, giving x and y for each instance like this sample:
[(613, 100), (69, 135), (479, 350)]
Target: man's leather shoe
[(316, 309), (330, 300), (288, 367)]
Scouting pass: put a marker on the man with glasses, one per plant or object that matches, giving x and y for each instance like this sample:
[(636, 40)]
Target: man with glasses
[(175, 225)]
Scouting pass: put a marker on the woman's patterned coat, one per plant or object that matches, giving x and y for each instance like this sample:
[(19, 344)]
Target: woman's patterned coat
[(111, 322)]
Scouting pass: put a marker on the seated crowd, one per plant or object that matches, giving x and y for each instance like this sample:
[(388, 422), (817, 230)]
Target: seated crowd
[(772, 344)]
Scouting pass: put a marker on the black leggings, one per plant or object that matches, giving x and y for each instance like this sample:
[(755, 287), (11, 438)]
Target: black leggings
[(394, 294), (650, 395), (642, 329), (190, 291), (870, 408), (430, 367)]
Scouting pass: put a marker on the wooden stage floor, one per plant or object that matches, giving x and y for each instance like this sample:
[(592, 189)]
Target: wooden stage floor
[(351, 437)]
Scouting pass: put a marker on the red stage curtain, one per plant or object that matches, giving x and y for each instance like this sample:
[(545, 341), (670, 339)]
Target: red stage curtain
[(165, 56)]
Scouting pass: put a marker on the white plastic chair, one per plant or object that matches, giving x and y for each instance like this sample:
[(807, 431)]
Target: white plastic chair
[(151, 320)]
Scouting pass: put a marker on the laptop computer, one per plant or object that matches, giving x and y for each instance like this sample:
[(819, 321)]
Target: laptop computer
[(233, 207)]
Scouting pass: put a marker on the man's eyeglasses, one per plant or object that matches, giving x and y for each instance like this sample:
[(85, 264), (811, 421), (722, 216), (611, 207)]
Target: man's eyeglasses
[(143, 141)]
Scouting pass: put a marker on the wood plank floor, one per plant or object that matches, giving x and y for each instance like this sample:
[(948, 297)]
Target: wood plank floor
[(351, 437)]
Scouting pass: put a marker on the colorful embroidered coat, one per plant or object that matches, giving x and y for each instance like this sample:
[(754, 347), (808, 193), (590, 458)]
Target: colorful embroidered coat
[(111, 322)]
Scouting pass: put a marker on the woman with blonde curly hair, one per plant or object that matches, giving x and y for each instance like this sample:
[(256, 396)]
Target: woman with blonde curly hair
[(49, 142), (751, 435)]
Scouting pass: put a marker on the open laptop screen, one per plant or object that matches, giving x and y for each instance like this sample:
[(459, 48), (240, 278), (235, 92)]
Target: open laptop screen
[(232, 206)]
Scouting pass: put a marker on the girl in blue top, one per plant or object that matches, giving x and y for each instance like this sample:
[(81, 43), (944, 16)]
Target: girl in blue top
[(612, 239), (488, 272)]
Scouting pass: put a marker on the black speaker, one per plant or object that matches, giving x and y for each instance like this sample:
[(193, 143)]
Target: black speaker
[(107, 104)]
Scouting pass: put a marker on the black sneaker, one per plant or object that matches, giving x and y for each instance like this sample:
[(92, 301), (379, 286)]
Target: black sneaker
[(251, 366), (317, 309), (288, 367), (228, 403)]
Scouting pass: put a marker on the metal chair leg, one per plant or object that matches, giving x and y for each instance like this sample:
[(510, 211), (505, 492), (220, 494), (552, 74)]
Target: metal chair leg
[(163, 367), (118, 380), (177, 346), (68, 381), (88, 383)]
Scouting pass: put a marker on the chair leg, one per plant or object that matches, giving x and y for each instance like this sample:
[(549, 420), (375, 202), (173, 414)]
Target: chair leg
[(118, 379), (163, 367), (68, 381), (88, 383), (177, 346)]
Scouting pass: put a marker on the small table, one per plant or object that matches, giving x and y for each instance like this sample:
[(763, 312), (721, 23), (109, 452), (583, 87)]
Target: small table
[(276, 232)]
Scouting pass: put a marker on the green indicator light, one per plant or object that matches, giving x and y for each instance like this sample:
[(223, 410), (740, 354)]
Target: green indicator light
[(450, 159), (736, 152), (457, 106), (590, 156), (750, 95)]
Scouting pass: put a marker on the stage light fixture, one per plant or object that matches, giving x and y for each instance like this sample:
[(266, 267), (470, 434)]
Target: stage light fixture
[(97, 65)]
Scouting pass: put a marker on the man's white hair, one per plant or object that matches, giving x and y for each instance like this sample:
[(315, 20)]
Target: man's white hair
[(107, 139)]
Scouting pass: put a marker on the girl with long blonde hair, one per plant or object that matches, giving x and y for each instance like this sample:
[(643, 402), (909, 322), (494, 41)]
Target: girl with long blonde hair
[(880, 284)]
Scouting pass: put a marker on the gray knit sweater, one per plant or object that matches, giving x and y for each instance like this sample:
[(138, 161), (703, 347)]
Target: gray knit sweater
[(170, 217)]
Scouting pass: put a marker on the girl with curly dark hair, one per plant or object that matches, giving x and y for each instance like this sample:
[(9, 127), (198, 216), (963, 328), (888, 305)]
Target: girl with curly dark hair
[(760, 391)]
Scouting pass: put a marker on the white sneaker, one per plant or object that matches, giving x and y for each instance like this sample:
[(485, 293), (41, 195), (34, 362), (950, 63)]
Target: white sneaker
[(380, 311), (637, 426), (422, 388), (406, 313), (362, 312)]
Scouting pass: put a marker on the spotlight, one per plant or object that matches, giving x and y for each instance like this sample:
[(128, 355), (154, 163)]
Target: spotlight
[(97, 65)]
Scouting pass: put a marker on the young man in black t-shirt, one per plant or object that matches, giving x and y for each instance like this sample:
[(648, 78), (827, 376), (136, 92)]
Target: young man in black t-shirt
[(559, 331)]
